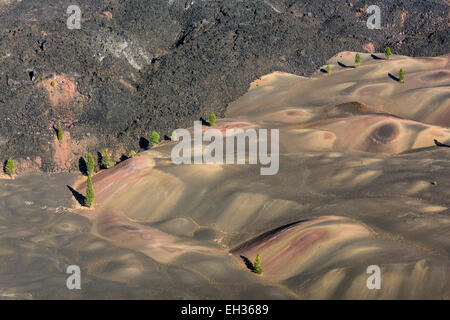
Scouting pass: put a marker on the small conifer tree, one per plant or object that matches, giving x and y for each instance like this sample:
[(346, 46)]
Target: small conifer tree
[(357, 59), (60, 132), (257, 265), (90, 164), (387, 52), (212, 120), (89, 199), (328, 68), (173, 137), (401, 76), (106, 162), (10, 167), (154, 138)]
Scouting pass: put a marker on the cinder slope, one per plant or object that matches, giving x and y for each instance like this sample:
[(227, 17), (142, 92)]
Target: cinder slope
[(353, 189), (135, 66)]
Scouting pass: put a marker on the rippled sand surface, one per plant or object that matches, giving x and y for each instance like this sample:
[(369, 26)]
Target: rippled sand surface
[(40, 237)]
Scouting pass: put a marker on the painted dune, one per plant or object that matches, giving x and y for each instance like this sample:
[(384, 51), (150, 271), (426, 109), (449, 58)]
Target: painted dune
[(358, 154)]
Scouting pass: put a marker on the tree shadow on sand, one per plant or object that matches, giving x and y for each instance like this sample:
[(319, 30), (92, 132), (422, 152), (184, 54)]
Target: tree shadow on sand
[(248, 263), (376, 57), (439, 144), (3, 169), (345, 66), (393, 77), (144, 143), (204, 122), (78, 196)]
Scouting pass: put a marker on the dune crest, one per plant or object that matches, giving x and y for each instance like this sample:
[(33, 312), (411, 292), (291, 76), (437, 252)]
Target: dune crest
[(357, 151)]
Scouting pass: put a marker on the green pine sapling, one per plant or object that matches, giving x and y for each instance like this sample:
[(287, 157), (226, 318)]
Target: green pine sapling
[(357, 59), (90, 164), (89, 199), (401, 76), (387, 52), (257, 265), (212, 120), (106, 162), (10, 167), (60, 132), (154, 138), (173, 137)]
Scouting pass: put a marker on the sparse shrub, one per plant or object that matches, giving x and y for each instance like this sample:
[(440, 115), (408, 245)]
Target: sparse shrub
[(257, 265), (60, 132), (154, 138), (131, 154), (10, 167), (53, 83), (106, 162), (357, 59), (387, 52), (89, 199), (173, 137), (90, 164), (212, 119), (401, 76), (328, 68)]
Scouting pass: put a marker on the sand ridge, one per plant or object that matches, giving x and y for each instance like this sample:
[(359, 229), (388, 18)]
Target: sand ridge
[(357, 158)]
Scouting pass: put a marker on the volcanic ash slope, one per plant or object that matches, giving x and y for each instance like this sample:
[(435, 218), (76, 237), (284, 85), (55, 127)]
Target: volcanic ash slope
[(363, 180)]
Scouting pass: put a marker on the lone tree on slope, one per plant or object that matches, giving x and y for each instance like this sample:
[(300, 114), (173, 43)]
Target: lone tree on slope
[(10, 167), (387, 52), (257, 265), (89, 199), (106, 162), (401, 76), (357, 59), (90, 164), (154, 138), (60, 132), (212, 119)]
